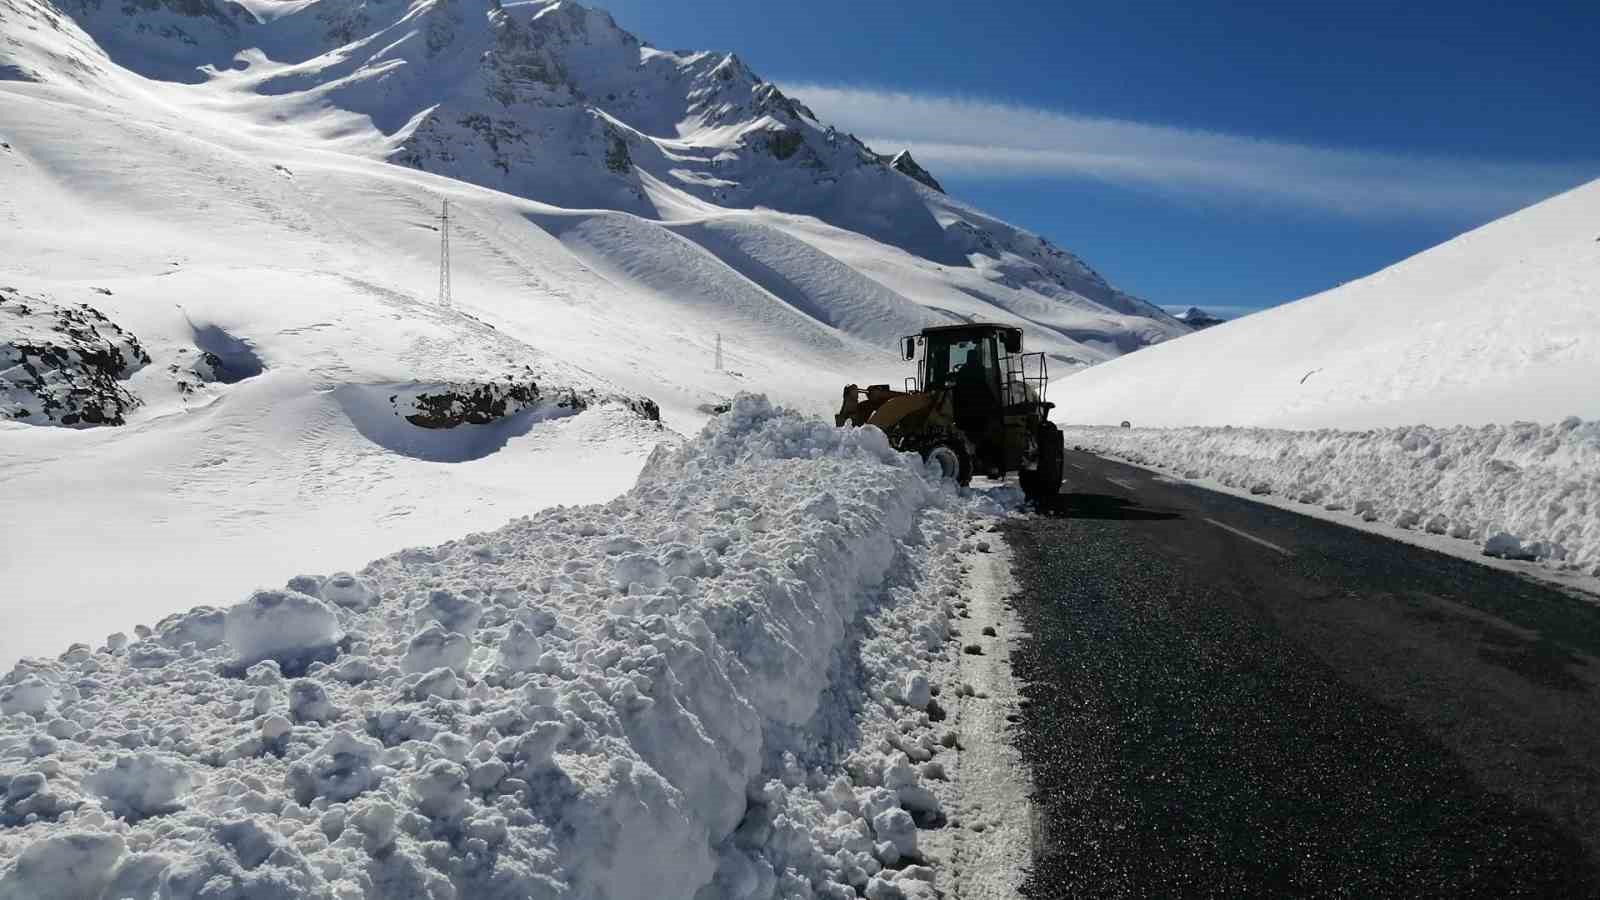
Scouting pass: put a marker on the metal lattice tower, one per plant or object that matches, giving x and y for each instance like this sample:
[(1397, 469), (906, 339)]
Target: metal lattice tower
[(444, 256)]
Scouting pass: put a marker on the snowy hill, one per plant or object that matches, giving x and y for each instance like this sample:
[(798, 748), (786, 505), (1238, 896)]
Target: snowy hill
[(250, 192), (1494, 327)]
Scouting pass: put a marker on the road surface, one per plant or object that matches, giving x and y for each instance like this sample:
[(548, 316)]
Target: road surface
[(1229, 699)]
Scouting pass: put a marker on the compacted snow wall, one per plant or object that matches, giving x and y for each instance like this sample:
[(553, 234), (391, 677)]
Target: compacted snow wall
[(669, 695), (1521, 491)]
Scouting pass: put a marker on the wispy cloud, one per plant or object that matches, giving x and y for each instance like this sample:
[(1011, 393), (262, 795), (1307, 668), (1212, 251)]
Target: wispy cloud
[(981, 138)]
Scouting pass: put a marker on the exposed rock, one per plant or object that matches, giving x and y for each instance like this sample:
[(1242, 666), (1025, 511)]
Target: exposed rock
[(61, 365), (617, 158), (1197, 318), (469, 404), (450, 405), (784, 143), (905, 165)]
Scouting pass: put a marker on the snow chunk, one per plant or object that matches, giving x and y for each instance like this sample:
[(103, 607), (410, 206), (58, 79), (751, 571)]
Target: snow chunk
[(342, 769), (203, 626), (30, 696), (454, 613), (285, 626), (440, 682), (434, 647), (440, 790), (896, 828), (308, 702), (637, 569), (914, 688), (138, 787), (74, 864), (345, 589), (519, 651), (1508, 546)]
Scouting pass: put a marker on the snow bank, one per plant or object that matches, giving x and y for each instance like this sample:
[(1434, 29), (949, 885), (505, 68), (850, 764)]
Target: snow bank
[(1522, 491), (718, 681)]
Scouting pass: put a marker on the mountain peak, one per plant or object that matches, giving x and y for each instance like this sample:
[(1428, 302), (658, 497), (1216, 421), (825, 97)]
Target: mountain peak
[(1197, 318), (903, 163)]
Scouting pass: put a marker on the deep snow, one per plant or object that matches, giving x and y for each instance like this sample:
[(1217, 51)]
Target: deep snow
[(720, 684)]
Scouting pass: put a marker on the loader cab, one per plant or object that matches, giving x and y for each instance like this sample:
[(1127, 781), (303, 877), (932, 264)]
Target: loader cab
[(967, 359), (967, 363)]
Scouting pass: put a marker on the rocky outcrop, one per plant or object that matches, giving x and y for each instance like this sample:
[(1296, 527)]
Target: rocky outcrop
[(442, 406), (63, 365), (448, 406), (903, 163)]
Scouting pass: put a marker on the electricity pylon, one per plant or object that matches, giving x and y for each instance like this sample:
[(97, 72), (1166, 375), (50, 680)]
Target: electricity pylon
[(444, 256)]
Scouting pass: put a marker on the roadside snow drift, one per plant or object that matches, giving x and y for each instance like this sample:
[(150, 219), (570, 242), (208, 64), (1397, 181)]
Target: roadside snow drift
[(1519, 491), (649, 698), (1499, 325)]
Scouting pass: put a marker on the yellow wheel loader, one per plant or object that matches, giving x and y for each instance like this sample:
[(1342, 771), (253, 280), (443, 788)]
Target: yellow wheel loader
[(975, 406)]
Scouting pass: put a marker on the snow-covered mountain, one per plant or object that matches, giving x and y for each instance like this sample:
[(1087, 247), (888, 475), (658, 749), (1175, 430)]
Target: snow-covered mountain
[(1197, 318), (554, 102), (1494, 327), (248, 193)]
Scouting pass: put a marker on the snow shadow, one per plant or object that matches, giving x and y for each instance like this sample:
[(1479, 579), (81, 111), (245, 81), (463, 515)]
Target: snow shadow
[(236, 358), (373, 414)]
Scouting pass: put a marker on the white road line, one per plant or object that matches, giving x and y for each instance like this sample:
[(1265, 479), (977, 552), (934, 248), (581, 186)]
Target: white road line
[(1250, 537), (1123, 484)]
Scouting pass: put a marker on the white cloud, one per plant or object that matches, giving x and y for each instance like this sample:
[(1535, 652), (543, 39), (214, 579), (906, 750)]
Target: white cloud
[(980, 138)]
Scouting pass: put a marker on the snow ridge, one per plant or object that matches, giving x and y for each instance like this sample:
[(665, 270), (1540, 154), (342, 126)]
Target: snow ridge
[(618, 701)]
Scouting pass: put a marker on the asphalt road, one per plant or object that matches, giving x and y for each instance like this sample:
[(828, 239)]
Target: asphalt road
[(1228, 699)]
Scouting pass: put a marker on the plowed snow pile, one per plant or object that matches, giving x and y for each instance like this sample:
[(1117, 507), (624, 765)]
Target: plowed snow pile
[(1521, 491), (718, 682)]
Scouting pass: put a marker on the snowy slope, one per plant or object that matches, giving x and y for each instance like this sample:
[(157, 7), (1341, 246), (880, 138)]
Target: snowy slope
[(1494, 327), (257, 187)]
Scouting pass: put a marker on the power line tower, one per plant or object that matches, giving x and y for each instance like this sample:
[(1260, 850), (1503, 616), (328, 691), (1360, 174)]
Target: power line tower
[(719, 351), (444, 256)]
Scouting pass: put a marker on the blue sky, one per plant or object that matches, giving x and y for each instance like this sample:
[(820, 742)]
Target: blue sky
[(1240, 155)]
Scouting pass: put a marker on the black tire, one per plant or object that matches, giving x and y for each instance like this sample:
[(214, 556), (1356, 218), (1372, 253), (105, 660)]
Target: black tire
[(1045, 482), (942, 452)]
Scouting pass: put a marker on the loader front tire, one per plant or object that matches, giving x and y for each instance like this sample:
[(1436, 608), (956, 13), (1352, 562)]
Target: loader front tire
[(1045, 481), (951, 458)]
